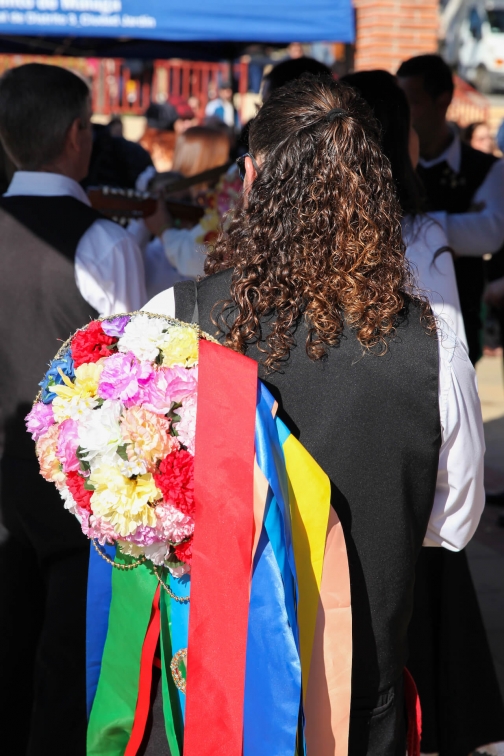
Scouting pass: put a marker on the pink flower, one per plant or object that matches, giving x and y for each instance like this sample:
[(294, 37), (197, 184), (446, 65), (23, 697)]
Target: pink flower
[(145, 536), (50, 467), (39, 420), (96, 527), (174, 524), (124, 377), (186, 428), (147, 436), (170, 384), (68, 441)]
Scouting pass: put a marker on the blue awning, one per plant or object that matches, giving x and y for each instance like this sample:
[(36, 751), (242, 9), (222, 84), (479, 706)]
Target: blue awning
[(267, 21)]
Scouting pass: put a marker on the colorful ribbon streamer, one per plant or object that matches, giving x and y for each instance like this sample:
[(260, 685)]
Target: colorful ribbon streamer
[(269, 625)]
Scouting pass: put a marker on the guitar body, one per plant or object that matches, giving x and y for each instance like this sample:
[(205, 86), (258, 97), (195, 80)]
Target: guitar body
[(123, 205)]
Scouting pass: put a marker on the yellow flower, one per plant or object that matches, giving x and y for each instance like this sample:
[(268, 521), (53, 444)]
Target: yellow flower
[(73, 399), (180, 346), (124, 502)]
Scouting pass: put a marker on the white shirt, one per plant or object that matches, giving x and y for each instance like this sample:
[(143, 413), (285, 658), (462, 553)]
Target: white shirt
[(460, 497), (436, 279), (109, 269), (474, 234)]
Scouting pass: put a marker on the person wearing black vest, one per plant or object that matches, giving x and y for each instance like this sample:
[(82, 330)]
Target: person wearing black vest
[(457, 179), (449, 652), (61, 264), (310, 280)]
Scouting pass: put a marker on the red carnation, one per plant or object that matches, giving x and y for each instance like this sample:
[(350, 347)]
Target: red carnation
[(184, 551), (91, 344), (82, 496), (175, 480)]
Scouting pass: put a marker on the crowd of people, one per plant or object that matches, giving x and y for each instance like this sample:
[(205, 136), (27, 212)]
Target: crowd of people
[(351, 241)]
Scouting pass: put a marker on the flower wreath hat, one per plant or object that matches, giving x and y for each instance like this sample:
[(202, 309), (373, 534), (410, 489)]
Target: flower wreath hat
[(216, 554)]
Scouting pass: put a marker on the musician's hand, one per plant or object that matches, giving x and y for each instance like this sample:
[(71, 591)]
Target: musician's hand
[(160, 220)]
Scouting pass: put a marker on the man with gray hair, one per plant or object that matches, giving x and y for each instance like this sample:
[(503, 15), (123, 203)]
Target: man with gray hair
[(61, 264)]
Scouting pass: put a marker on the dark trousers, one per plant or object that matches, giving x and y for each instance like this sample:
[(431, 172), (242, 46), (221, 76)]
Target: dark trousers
[(379, 728), (450, 659), (43, 578)]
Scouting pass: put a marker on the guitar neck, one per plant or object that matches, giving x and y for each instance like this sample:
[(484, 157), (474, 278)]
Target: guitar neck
[(127, 204)]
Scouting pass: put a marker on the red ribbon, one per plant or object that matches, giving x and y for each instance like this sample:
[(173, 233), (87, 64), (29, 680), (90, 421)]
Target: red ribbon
[(145, 682), (414, 714), (222, 552)]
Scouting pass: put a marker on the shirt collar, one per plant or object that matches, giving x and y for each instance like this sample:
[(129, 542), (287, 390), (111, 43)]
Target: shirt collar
[(42, 184), (452, 155)]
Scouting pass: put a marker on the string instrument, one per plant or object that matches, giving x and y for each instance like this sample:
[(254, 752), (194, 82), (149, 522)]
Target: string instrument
[(123, 205)]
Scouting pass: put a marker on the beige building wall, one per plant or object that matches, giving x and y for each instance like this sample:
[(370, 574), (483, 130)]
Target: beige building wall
[(390, 31)]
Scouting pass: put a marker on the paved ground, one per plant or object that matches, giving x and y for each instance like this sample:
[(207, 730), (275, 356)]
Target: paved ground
[(486, 551)]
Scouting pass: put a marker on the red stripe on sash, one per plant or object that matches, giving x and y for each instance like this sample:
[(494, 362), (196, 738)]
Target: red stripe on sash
[(414, 714), (222, 549), (145, 682)]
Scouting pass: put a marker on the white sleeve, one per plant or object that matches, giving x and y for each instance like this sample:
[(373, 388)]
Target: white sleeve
[(162, 304), (109, 269), (481, 233), (183, 252), (460, 497)]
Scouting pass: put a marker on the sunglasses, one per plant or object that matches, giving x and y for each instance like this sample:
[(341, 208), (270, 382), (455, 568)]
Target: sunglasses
[(241, 164)]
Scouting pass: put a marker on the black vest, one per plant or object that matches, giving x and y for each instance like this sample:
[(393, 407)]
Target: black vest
[(453, 193), (40, 304), (372, 423)]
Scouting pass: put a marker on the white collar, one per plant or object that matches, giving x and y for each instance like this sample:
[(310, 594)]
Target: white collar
[(42, 184), (452, 155)]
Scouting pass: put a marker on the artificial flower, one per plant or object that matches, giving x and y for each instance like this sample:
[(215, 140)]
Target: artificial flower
[(39, 420), (142, 336), (81, 495), (147, 435), (97, 528), (183, 551), (124, 502), (174, 525), (50, 467), (180, 346), (91, 344), (168, 385), (116, 326), (124, 377), (186, 426), (100, 434), (54, 376), (175, 480), (74, 399), (68, 443)]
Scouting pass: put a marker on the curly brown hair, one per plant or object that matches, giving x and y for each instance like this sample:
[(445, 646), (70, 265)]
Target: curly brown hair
[(319, 233)]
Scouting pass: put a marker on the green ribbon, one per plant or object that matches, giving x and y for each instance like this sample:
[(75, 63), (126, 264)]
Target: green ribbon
[(171, 703), (113, 711)]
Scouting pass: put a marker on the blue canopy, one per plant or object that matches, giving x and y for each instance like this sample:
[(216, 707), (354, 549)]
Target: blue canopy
[(268, 21)]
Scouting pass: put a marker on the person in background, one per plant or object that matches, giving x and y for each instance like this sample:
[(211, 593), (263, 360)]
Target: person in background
[(426, 243), (289, 70), (164, 123), (115, 161), (198, 149), (115, 127), (478, 136), (61, 265), (456, 179), (222, 106), (446, 625), (310, 281)]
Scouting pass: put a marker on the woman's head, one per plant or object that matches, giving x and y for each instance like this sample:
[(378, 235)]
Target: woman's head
[(200, 148), (478, 135), (398, 138), (318, 234)]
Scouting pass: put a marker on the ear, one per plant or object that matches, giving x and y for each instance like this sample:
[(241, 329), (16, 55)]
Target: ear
[(250, 175), (73, 140)]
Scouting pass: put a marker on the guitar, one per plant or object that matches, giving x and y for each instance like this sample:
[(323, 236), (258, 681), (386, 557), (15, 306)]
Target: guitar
[(123, 205)]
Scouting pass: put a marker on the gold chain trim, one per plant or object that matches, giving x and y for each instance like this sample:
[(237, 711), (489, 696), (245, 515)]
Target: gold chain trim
[(180, 599), (116, 564)]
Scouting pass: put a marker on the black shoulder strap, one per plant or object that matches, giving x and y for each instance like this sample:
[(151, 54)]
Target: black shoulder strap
[(186, 301)]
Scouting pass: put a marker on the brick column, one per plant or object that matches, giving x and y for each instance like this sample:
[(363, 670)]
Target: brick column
[(390, 31)]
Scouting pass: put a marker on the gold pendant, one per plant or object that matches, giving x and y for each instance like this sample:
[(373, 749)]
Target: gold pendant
[(178, 668)]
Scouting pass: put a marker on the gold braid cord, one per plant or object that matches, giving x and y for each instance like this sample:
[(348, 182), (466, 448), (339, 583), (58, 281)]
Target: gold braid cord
[(116, 564), (180, 599)]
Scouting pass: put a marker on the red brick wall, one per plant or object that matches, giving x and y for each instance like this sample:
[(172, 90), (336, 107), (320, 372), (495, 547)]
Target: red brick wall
[(390, 31)]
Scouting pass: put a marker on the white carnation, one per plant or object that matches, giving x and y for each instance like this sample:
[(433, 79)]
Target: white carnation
[(100, 434), (143, 336)]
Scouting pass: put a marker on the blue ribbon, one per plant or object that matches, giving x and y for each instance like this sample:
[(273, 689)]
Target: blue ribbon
[(99, 596)]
